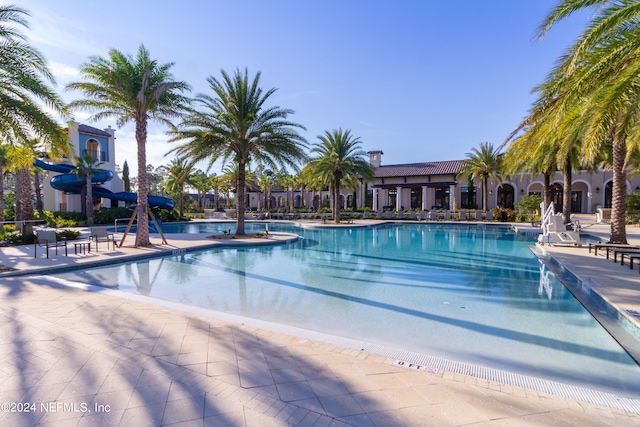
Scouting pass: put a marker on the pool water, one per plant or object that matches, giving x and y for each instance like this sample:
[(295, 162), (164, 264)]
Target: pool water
[(472, 294)]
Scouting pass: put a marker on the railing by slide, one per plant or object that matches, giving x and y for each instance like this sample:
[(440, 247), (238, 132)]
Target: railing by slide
[(546, 217)]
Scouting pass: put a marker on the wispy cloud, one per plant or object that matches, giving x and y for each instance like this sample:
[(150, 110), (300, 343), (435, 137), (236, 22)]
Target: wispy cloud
[(54, 30)]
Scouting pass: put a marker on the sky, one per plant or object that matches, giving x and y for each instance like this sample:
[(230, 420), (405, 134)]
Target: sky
[(420, 80)]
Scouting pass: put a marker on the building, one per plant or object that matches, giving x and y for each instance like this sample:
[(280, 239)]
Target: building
[(435, 185), (100, 144)]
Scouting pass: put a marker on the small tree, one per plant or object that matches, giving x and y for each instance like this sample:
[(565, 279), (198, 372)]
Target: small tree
[(125, 177), (87, 166)]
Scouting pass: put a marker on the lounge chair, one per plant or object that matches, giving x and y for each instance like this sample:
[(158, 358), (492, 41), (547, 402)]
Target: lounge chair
[(448, 215), (489, 216), (400, 214), (478, 215), (379, 215), (423, 216), (98, 234), (433, 215), (366, 215), (48, 239), (462, 216), (412, 215)]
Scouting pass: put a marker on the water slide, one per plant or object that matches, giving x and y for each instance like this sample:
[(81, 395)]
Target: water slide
[(69, 182)]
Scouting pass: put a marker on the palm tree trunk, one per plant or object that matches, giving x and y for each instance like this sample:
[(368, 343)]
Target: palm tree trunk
[(546, 192), (336, 203), (240, 192), (36, 178), (24, 209), (142, 233), (1, 190), (619, 192), (485, 194), (566, 196), (89, 201)]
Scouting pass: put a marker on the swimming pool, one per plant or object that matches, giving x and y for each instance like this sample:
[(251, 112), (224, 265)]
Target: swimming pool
[(474, 294)]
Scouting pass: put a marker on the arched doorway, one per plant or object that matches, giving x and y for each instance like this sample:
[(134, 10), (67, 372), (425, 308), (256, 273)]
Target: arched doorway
[(608, 194), (506, 196), (93, 149)]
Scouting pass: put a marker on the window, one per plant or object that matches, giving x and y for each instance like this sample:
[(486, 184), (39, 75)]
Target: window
[(442, 198), (393, 199), (416, 198), (505, 196), (468, 198)]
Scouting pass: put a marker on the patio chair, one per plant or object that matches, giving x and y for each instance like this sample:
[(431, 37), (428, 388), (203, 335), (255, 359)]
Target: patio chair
[(433, 215), (48, 239), (447, 215), (489, 216), (101, 234), (412, 215), (478, 215), (423, 216), (462, 216)]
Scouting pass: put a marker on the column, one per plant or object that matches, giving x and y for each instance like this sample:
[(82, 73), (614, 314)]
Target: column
[(375, 199), (452, 197), (424, 198), (398, 198)]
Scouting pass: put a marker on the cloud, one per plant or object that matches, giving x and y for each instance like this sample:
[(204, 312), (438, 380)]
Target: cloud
[(53, 30), (64, 73)]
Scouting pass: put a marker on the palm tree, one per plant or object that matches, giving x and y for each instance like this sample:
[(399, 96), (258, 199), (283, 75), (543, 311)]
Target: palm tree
[(23, 87), (230, 175), (87, 166), (132, 89), (340, 162), (236, 126), (179, 176), (484, 164), (593, 90), (265, 181)]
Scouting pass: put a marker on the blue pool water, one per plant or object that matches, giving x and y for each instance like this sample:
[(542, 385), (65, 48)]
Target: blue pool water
[(472, 294)]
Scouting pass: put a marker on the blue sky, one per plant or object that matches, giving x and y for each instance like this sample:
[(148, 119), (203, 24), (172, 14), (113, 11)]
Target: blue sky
[(421, 80)]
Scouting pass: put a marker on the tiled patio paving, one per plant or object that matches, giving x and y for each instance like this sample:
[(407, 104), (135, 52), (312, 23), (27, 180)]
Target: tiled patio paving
[(158, 366)]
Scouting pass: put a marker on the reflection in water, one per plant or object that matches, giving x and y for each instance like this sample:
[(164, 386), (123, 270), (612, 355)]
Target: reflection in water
[(546, 286)]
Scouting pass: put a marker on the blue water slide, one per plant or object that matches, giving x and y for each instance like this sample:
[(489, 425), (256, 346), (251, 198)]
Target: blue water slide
[(69, 182)]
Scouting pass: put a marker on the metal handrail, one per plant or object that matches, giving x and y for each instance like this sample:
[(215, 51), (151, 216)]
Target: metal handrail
[(115, 223)]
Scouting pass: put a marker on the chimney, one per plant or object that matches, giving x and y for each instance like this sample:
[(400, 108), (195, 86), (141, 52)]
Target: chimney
[(375, 158)]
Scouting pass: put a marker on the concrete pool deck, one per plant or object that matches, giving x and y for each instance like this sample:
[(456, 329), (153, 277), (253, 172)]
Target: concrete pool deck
[(94, 358)]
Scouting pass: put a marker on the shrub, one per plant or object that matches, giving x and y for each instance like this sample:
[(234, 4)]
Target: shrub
[(166, 215), (497, 214), (68, 234), (109, 215)]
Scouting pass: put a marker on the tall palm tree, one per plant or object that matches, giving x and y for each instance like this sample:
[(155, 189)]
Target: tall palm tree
[(340, 162), (265, 181), (132, 89), (24, 79), (179, 176), (593, 91), (484, 164), (236, 126), (24, 85), (87, 166)]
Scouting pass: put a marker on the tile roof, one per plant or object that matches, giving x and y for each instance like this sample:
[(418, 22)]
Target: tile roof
[(448, 167), (92, 130)]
